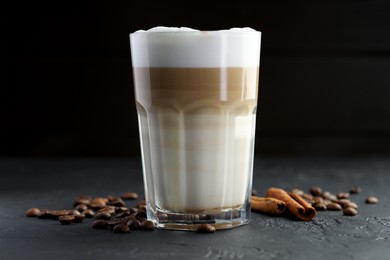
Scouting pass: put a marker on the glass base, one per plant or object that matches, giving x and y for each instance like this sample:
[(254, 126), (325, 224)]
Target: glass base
[(225, 218)]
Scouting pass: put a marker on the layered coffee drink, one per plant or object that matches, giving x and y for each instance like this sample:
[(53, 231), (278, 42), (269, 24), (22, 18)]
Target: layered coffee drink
[(196, 98)]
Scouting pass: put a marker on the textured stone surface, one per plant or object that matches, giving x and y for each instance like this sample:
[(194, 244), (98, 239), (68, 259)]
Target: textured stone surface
[(54, 184)]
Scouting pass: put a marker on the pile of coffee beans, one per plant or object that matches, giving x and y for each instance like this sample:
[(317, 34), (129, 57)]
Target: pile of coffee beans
[(325, 200), (109, 213)]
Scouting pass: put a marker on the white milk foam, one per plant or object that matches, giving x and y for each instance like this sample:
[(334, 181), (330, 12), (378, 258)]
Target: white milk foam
[(189, 48)]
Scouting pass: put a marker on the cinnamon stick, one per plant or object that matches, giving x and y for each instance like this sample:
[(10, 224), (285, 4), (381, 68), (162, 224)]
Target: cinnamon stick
[(268, 205), (295, 204)]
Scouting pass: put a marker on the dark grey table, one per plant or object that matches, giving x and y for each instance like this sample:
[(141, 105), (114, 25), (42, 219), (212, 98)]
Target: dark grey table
[(54, 184)]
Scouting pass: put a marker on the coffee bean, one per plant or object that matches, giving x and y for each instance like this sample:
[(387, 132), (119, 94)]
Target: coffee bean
[(350, 211), (307, 197), (100, 224), (355, 190), (66, 220), (133, 210), (343, 195), (74, 212), (43, 214), (103, 215), (316, 191), (55, 214), (109, 209), (372, 200), (317, 199), (140, 203), (99, 201), (329, 196), (162, 217), (32, 212), (78, 218), (121, 228), (88, 213), (84, 197), (123, 214), (110, 198), (333, 206), (134, 224), (129, 196), (205, 228), (97, 206), (352, 205), (344, 202), (320, 206), (81, 202), (140, 214), (121, 209), (81, 207), (117, 203), (148, 225), (113, 223)]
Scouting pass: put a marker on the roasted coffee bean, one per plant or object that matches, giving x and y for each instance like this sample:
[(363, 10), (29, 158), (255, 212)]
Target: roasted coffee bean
[(100, 201), (81, 201), (140, 214), (84, 197), (372, 200), (110, 198), (81, 207), (316, 191), (43, 214), (350, 211), (148, 225), (100, 224), (55, 214), (205, 228), (307, 197), (133, 210), (66, 219), (162, 217), (32, 212), (123, 214), (103, 215), (97, 206), (109, 209), (88, 213), (343, 195), (329, 196), (141, 219), (121, 209), (297, 191), (74, 212), (129, 196), (121, 228), (113, 223), (344, 202), (141, 202), (333, 206), (355, 190), (317, 199), (319, 206), (117, 203), (134, 223), (352, 205), (326, 201), (78, 218)]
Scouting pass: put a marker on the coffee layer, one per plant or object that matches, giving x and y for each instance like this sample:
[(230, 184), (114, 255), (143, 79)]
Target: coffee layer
[(197, 132)]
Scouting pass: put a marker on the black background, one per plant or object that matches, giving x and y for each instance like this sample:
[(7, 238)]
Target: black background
[(66, 80)]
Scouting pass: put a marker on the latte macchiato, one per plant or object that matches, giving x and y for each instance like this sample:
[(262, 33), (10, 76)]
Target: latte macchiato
[(196, 97)]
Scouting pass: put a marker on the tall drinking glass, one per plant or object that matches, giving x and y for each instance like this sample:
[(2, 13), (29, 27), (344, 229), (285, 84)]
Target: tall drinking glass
[(196, 98)]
